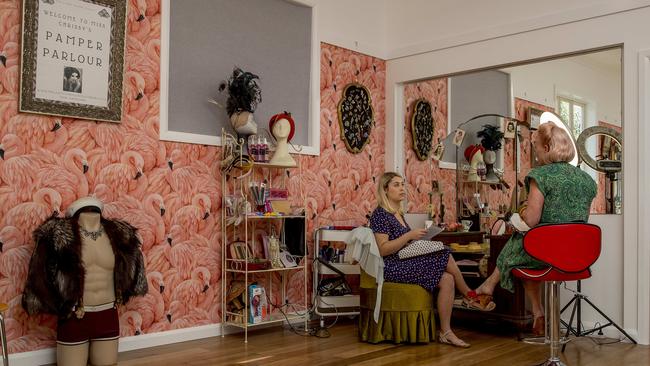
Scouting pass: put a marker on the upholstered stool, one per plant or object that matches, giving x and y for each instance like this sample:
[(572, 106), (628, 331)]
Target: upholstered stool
[(3, 335), (406, 316), (569, 250)]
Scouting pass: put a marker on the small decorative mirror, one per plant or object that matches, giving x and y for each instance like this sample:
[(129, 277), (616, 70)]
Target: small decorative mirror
[(355, 117), (422, 128)]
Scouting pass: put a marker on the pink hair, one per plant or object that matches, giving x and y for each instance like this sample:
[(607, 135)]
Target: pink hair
[(560, 146)]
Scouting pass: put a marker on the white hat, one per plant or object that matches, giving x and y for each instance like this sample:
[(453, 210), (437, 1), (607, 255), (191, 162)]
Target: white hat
[(83, 202)]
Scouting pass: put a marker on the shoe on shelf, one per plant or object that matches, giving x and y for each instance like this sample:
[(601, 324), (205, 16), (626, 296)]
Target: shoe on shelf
[(442, 338), (481, 302)]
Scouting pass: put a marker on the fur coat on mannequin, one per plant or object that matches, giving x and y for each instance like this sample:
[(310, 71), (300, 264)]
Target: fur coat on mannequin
[(55, 282)]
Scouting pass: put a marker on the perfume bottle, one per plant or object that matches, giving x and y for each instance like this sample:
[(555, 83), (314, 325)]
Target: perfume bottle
[(252, 147), (481, 170), (264, 154)]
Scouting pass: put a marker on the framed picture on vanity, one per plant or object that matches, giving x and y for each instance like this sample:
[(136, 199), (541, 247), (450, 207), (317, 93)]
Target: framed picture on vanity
[(73, 58), (534, 115)]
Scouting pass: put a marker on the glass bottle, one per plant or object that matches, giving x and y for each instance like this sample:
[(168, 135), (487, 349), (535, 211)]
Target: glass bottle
[(252, 147), (481, 170), (264, 154)]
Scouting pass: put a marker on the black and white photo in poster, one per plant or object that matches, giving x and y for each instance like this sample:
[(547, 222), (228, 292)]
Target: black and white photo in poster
[(73, 56), (72, 79)]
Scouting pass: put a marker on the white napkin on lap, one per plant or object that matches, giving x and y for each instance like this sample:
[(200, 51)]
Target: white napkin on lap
[(518, 223)]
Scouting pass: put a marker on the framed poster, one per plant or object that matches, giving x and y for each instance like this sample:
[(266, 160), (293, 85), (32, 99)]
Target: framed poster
[(73, 58)]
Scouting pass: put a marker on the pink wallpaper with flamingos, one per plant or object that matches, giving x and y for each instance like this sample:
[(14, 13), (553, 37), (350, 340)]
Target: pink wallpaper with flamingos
[(170, 191), (420, 174)]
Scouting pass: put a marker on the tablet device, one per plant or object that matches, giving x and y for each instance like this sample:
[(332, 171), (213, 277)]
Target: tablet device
[(432, 231)]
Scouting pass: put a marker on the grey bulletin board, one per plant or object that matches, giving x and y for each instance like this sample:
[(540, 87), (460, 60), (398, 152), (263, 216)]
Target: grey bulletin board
[(472, 95), (208, 38)]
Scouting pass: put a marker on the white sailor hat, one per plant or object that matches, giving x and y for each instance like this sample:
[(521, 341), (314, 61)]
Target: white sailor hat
[(83, 202)]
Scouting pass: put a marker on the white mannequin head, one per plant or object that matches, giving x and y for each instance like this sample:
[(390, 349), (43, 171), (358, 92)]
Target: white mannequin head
[(281, 129)]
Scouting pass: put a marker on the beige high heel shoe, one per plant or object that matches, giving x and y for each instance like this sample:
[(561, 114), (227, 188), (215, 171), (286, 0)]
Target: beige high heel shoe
[(442, 338)]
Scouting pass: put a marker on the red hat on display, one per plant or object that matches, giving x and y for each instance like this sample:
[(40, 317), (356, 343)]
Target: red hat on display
[(473, 149), (284, 115)]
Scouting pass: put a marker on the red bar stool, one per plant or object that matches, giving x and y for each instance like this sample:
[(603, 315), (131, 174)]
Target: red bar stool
[(569, 250)]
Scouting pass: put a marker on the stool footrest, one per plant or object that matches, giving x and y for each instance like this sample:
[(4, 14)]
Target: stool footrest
[(537, 341), (542, 341)]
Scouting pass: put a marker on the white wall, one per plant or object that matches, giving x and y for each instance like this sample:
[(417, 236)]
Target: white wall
[(629, 28), (358, 25), (417, 26), (543, 82)]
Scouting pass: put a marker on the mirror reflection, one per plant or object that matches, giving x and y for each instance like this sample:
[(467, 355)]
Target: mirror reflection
[(584, 91)]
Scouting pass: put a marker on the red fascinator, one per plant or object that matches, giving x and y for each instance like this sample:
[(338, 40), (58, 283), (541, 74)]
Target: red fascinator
[(473, 149), (286, 115)]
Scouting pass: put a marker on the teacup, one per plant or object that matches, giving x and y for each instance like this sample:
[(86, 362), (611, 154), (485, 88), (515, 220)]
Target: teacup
[(467, 224)]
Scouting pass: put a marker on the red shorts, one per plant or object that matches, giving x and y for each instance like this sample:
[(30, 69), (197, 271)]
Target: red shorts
[(94, 326)]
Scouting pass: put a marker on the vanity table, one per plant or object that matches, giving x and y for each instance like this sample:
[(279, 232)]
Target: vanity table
[(511, 308)]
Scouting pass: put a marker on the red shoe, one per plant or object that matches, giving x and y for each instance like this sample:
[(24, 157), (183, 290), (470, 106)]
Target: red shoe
[(478, 302), (539, 326)]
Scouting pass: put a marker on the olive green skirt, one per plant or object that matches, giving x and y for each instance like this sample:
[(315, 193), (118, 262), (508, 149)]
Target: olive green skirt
[(406, 316)]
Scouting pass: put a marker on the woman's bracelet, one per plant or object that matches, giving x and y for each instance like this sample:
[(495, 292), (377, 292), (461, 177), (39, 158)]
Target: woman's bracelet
[(522, 209)]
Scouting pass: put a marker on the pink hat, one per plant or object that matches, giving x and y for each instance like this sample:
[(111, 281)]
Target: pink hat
[(285, 115)]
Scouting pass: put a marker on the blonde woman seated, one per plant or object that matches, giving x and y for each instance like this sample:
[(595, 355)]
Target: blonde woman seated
[(557, 192), (431, 271)]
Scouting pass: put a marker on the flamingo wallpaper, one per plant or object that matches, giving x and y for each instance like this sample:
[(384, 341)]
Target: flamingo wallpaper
[(420, 174), (170, 191)]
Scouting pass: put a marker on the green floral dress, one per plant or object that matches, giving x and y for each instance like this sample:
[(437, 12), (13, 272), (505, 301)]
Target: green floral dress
[(568, 192)]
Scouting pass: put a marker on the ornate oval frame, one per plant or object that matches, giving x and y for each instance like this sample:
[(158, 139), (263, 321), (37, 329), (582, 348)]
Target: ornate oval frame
[(422, 125), (356, 117)]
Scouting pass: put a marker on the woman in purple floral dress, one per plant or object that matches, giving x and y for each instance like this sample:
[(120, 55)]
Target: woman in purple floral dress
[(431, 271)]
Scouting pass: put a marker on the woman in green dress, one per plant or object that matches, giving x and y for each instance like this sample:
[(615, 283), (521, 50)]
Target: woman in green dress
[(557, 192)]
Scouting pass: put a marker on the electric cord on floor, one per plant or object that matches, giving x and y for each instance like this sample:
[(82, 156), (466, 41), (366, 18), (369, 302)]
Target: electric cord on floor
[(320, 332), (593, 339)]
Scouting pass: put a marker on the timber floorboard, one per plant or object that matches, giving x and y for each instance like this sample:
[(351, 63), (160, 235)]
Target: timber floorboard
[(280, 346)]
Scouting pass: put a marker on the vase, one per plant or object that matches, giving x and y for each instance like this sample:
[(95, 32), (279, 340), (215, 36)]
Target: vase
[(490, 157)]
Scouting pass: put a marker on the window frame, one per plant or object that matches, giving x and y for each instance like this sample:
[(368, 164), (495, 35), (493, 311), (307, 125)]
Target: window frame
[(572, 103)]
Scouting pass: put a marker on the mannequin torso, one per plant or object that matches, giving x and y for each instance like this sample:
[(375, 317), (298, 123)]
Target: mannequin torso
[(84, 266), (99, 263), (98, 259)]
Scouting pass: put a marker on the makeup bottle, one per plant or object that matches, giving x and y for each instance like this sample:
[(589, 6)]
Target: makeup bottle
[(252, 147), (264, 153)]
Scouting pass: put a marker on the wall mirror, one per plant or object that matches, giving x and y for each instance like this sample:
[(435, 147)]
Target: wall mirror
[(585, 90)]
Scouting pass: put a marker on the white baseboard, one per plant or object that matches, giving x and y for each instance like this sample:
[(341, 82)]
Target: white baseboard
[(41, 357), (48, 356)]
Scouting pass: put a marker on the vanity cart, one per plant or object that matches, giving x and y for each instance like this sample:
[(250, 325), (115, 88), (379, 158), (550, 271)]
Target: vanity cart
[(250, 293), (335, 305)]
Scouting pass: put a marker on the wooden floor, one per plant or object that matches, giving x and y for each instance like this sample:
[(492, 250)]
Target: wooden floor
[(280, 346)]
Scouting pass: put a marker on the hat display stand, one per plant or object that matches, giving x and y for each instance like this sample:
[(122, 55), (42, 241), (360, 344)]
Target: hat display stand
[(282, 129)]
